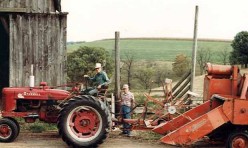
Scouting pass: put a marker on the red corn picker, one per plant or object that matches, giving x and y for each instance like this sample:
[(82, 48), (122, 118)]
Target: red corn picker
[(223, 115)]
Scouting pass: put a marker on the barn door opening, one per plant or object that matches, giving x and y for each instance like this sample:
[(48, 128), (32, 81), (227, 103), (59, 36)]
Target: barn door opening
[(4, 51)]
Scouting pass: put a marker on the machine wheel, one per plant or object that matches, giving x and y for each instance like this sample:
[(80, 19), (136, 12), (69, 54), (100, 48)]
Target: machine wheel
[(83, 122), (238, 140), (8, 130), (17, 124)]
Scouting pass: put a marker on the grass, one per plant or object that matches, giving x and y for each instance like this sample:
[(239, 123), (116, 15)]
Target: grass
[(156, 49), (36, 127), (147, 135)]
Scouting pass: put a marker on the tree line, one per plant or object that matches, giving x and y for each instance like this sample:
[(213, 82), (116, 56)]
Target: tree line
[(149, 73)]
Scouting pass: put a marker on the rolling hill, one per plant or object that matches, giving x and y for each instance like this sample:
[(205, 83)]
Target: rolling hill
[(161, 49)]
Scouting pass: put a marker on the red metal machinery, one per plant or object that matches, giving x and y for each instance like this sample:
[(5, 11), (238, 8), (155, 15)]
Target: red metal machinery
[(223, 116), (82, 120)]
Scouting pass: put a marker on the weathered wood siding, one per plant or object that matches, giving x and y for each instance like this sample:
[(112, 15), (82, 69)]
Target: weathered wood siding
[(32, 6), (38, 39)]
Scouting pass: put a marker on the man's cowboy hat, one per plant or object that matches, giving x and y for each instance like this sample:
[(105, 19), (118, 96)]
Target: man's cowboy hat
[(125, 86), (98, 65)]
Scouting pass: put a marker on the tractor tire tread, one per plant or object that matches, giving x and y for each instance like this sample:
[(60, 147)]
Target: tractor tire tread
[(12, 124), (74, 102)]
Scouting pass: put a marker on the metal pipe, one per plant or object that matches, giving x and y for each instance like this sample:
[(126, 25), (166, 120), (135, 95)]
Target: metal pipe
[(219, 69)]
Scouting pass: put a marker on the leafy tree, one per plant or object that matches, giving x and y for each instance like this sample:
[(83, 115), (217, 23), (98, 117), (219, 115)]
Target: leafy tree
[(144, 76), (128, 64), (181, 65), (239, 55), (203, 56), (161, 75), (224, 55), (82, 61)]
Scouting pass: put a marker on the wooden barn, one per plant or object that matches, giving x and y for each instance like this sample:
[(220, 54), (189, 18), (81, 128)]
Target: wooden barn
[(32, 32)]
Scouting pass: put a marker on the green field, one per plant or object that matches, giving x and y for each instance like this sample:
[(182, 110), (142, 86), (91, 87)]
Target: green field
[(156, 49)]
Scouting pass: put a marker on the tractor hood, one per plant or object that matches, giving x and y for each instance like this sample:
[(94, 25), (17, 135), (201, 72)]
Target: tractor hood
[(35, 93)]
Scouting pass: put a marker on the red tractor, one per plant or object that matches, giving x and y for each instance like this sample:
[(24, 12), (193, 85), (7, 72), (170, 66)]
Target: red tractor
[(82, 120)]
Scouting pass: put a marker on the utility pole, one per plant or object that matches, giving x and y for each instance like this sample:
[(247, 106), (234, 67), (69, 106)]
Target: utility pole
[(117, 71), (194, 50)]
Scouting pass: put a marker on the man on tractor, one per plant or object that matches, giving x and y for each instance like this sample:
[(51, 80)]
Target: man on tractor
[(100, 80)]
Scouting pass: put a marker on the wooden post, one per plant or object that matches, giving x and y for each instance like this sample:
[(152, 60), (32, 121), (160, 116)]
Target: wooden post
[(194, 51), (117, 71)]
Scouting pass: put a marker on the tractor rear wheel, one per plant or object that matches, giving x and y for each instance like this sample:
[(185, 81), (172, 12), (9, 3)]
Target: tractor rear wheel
[(238, 139), (8, 130), (83, 121)]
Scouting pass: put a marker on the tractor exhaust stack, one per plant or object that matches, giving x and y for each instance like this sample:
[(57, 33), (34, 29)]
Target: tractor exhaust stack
[(31, 77)]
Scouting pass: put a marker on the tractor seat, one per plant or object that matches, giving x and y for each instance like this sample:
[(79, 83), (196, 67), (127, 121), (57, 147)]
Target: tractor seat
[(102, 91)]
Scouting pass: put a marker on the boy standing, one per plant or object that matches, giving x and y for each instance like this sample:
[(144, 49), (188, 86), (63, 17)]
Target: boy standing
[(127, 101)]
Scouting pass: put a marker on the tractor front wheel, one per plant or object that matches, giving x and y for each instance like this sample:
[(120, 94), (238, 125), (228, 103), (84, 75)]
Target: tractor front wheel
[(238, 140), (17, 125), (83, 121), (8, 130)]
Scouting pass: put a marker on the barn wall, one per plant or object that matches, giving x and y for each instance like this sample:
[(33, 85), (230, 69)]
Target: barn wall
[(32, 6), (38, 39)]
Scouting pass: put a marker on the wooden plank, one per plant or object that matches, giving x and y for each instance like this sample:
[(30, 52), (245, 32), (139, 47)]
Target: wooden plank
[(64, 68), (181, 80), (54, 52), (40, 6), (34, 5), (48, 5), (60, 50), (28, 6), (57, 51), (49, 50), (15, 38), (11, 48), (13, 52), (26, 48), (30, 41), (17, 3), (36, 48), (63, 48), (21, 10), (51, 6), (2, 4), (10, 4), (156, 90), (46, 44), (19, 49), (23, 4), (40, 47), (45, 7)]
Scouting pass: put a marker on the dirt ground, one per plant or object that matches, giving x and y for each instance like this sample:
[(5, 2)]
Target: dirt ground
[(52, 140)]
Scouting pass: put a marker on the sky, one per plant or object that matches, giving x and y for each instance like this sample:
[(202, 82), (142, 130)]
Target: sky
[(90, 20)]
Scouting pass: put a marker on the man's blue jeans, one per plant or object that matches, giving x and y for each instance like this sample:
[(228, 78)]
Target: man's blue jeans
[(126, 115), (93, 91)]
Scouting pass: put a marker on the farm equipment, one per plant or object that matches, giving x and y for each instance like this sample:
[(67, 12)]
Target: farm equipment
[(223, 115), (82, 120)]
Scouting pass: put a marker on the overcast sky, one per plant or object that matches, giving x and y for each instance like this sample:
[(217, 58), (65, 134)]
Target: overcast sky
[(90, 20)]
